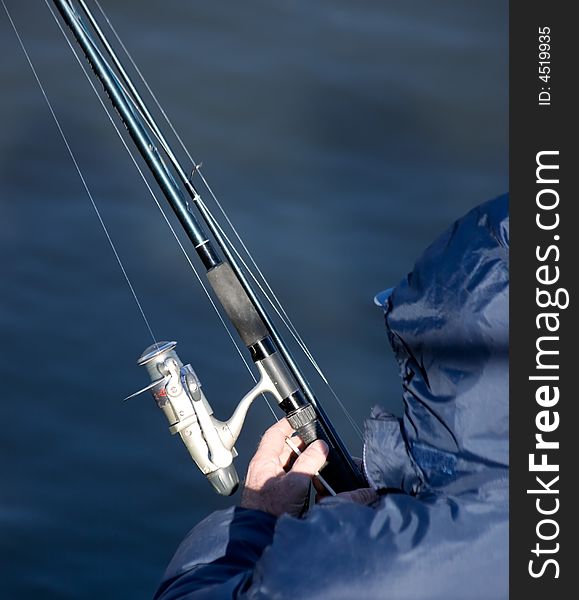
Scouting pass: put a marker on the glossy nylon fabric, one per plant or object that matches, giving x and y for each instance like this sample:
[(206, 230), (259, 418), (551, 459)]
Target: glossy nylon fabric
[(440, 531)]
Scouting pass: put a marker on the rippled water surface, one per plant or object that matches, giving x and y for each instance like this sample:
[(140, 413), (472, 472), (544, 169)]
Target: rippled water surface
[(341, 137)]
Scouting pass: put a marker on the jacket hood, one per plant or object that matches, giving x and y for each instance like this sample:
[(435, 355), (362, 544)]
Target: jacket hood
[(447, 322)]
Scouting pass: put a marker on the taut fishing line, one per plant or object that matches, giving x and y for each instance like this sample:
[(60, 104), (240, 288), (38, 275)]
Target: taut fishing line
[(175, 386), (80, 174)]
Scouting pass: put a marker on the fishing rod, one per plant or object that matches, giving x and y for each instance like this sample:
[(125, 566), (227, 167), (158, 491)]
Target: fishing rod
[(175, 386)]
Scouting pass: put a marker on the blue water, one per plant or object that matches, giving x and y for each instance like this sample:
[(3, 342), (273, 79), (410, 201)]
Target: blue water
[(341, 137)]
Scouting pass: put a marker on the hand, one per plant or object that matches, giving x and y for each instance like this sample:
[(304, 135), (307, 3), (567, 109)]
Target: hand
[(278, 483)]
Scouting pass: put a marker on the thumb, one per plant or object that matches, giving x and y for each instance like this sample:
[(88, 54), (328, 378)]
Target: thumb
[(312, 459)]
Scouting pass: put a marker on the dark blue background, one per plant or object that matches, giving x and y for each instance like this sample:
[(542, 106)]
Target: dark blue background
[(341, 137)]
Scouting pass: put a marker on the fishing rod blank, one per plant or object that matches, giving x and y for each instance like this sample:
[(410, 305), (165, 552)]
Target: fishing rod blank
[(279, 373)]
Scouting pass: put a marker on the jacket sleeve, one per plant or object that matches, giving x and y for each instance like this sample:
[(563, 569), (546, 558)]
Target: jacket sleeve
[(426, 547), (218, 556)]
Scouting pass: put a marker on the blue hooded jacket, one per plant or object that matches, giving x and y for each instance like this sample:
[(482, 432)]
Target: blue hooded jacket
[(440, 531)]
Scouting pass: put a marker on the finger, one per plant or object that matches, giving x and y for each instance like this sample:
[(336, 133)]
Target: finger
[(312, 459), (272, 444), (360, 496)]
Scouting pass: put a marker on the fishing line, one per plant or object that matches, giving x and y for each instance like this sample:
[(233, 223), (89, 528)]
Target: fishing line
[(269, 295), (159, 206), (80, 174), (227, 275), (93, 202)]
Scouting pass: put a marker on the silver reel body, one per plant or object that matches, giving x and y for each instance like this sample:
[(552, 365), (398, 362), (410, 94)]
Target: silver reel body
[(177, 392)]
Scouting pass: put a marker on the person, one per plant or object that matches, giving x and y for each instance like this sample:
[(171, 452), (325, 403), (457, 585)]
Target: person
[(433, 522)]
